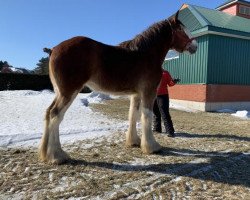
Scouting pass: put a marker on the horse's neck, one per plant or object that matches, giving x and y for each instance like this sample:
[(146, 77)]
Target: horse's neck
[(159, 50), (160, 47)]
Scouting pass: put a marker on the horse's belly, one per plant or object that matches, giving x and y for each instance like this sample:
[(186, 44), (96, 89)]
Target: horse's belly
[(110, 88)]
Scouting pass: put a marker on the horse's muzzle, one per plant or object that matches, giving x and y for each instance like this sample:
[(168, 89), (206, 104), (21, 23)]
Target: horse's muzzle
[(192, 46)]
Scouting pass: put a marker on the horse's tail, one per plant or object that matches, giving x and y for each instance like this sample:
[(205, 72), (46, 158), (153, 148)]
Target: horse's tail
[(47, 50)]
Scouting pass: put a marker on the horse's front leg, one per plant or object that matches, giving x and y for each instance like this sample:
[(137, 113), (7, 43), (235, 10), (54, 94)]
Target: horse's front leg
[(148, 142), (132, 138)]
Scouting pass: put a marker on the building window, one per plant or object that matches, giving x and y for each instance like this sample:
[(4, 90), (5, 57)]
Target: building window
[(244, 10), (172, 55)]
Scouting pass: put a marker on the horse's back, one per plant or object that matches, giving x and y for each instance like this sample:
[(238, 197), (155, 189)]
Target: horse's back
[(74, 48), (70, 63), (82, 61)]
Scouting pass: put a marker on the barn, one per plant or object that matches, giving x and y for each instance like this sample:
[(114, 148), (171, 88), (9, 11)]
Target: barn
[(217, 76)]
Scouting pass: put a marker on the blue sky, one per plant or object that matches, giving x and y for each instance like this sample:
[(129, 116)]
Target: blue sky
[(26, 26)]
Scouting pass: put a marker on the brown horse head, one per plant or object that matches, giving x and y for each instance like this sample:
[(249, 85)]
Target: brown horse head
[(182, 41)]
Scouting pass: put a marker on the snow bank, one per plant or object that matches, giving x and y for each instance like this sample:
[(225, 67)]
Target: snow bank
[(95, 97), (242, 114), (22, 114)]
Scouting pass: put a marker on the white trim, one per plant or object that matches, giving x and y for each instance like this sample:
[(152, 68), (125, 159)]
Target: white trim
[(189, 105), (236, 1), (211, 106), (215, 106), (228, 4), (221, 34)]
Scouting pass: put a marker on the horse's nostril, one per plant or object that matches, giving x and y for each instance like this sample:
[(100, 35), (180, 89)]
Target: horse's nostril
[(193, 49)]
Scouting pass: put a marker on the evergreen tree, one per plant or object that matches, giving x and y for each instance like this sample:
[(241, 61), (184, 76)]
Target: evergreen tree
[(43, 66), (3, 64)]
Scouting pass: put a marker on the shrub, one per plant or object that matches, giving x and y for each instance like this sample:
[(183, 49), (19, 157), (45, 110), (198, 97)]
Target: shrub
[(12, 81)]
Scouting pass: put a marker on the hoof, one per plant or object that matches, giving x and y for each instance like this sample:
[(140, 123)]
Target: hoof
[(56, 158), (151, 148), (59, 161), (135, 142)]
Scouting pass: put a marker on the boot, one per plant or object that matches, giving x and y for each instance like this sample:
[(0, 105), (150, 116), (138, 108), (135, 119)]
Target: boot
[(157, 128)]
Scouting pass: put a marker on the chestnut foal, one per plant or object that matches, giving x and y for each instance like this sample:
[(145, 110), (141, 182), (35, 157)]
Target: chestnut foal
[(134, 67)]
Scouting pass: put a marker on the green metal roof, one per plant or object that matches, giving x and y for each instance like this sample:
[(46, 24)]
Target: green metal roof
[(198, 19)]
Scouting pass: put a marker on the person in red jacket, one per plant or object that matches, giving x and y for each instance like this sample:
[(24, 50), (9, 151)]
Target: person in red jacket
[(161, 105)]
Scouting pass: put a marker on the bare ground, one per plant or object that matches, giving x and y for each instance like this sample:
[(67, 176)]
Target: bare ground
[(209, 159)]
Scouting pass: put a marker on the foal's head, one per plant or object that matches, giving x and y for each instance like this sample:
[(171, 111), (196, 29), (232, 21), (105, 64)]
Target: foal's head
[(181, 38)]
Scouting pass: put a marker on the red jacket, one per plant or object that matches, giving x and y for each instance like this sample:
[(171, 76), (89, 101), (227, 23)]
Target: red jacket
[(166, 81)]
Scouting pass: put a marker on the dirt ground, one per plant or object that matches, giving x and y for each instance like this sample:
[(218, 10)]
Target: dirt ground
[(209, 159)]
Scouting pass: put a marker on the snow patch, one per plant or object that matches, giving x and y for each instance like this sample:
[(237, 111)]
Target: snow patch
[(95, 97), (242, 114), (22, 118)]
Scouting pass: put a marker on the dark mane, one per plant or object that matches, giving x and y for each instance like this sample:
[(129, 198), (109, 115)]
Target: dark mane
[(148, 37)]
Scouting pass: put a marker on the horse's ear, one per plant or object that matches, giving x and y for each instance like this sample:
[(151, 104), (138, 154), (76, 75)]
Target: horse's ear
[(176, 16)]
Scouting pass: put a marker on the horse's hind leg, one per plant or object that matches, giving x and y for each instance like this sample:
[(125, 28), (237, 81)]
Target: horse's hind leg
[(45, 137), (50, 149), (148, 142), (132, 138)]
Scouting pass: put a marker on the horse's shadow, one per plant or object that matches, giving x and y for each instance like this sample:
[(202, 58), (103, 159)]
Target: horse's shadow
[(219, 136), (224, 167)]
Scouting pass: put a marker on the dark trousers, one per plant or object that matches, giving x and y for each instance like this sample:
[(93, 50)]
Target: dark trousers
[(161, 111)]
